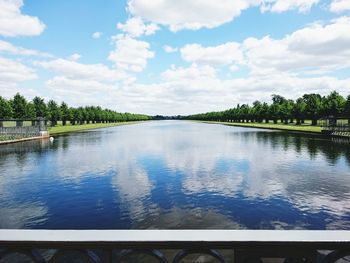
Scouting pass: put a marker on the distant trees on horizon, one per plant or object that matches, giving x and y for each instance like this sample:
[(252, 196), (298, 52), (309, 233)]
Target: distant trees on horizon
[(310, 106), (19, 108)]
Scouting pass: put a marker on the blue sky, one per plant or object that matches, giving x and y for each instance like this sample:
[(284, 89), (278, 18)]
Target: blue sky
[(173, 57)]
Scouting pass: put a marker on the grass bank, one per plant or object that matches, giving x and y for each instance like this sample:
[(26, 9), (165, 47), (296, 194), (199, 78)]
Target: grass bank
[(76, 128), (271, 126), (5, 137)]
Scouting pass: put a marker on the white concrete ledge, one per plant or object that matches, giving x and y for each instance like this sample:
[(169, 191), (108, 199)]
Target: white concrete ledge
[(304, 236), (25, 139)]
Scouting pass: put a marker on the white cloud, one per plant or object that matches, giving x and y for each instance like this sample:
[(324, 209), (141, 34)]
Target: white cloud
[(97, 35), (7, 47), (80, 71), (233, 68), (315, 48), (65, 85), (14, 23), (199, 89), (11, 74), (279, 6), (135, 27), (13, 71), (18, 216), (75, 57), (225, 54), (184, 14), (338, 6), (189, 73), (192, 89), (130, 54), (169, 49)]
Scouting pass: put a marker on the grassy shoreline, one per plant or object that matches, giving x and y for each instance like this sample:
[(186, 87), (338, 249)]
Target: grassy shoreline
[(57, 130), (271, 126)]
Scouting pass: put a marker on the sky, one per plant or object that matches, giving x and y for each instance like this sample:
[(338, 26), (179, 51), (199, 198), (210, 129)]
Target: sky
[(173, 57)]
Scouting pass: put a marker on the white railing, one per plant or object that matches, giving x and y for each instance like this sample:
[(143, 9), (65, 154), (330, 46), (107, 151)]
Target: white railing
[(119, 245)]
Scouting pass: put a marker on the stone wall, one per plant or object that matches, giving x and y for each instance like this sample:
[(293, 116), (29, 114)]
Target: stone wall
[(26, 131), (38, 128)]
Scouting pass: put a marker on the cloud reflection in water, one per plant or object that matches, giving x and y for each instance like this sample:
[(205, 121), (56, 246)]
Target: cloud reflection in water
[(177, 174)]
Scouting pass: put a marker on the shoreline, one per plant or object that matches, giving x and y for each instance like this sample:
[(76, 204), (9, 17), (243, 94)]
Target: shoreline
[(270, 126), (24, 140), (59, 130)]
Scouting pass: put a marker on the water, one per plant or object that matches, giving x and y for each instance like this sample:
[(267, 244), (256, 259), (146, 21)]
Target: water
[(176, 175)]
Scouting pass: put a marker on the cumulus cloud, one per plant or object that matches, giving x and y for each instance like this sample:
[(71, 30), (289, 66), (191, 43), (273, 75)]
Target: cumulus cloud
[(169, 49), (279, 6), (183, 14), (135, 27), (225, 54), (75, 57), (77, 87), (193, 72), (193, 89), (6, 47), (76, 70), (130, 54), (13, 23), (12, 73), (314, 48), (97, 35), (275, 65), (198, 88), (338, 6)]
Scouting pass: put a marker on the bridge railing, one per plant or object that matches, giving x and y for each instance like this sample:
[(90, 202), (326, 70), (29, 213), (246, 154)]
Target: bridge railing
[(241, 246), (23, 128), (341, 128)]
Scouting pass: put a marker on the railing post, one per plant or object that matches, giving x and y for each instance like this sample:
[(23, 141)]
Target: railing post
[(1, 124), (42, 126), (19, 123)]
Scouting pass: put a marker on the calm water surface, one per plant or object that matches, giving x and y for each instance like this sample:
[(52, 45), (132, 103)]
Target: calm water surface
[(176, 174)]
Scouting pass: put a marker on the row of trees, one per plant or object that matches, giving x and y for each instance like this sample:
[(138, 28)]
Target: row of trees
[(19, 108), (309, 106)]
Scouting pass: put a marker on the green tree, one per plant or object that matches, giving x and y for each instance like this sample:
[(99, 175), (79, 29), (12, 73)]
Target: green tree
[(30, 111), (40, 107), (265, 112), (244, 112), (19, 106), (299, 110), (81, 115), (313, 106), (54, 112), (286, 110), (77, 116), (72, 119), (274, 112), (5, 109), (346, 110), (277, 99), (65, 113), (333, 105), (256, 111)]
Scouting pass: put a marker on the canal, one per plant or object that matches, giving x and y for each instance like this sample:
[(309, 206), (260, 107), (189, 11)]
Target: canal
[(176, 175)]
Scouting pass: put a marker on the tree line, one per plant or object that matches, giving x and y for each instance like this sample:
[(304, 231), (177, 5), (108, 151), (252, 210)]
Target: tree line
[(310, 106), (19, 108)]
